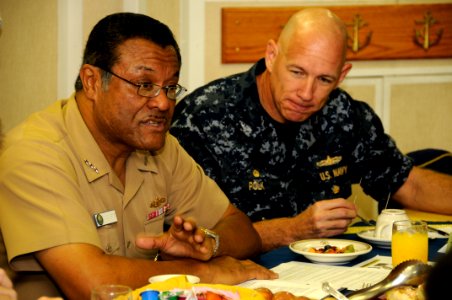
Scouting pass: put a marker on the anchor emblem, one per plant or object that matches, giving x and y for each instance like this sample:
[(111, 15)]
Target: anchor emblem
[(357, 24), (422, 37)]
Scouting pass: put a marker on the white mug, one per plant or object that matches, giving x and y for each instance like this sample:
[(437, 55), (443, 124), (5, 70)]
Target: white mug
[(383, 229)]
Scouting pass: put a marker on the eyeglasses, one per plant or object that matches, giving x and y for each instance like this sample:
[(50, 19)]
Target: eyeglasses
[(151, 90)]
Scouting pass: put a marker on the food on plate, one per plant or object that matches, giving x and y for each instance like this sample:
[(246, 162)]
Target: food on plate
[(406, 293), (179, 287), (281, 295), (332, 249), (265, 292)]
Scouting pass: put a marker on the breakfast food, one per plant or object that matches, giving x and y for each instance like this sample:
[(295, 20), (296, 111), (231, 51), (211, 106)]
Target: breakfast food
[(332, 249), (406, 293), (268, 295)]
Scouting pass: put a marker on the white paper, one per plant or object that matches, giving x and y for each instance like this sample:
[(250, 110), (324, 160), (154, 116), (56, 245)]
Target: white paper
[(305, 279), (377, 262)]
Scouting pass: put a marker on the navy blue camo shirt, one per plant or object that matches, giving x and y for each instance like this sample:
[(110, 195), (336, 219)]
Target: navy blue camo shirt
[(269, 169)]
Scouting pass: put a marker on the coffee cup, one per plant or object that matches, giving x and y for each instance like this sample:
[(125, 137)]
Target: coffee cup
[(386, 218)]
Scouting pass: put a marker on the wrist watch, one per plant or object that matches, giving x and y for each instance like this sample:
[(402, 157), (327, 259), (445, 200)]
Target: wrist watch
[(215, 236)]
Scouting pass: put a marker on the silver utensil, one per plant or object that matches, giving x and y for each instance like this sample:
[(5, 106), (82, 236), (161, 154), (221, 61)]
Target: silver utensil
[(410, 272), (327, 288), (439, 231)]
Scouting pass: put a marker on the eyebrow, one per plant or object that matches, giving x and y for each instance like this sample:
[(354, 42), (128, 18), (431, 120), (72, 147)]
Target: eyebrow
[(145, 68), (332, 77)]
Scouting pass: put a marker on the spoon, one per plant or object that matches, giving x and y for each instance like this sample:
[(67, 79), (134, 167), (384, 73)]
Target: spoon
[(410, 272)]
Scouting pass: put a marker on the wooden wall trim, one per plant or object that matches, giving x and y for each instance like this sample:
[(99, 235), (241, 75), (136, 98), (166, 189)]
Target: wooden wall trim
[(384, 31)]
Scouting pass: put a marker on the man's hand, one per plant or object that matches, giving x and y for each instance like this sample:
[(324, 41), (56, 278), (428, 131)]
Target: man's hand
[(322, 219), (6, 287), (183, 239), (228, 270)]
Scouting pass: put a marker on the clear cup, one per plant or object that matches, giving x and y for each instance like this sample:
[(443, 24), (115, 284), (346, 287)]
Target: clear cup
[(111, 291), (383, 228), (409, 241)]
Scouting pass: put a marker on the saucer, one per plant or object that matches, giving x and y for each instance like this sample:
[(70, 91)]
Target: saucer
[(369, 236), (160, 278)]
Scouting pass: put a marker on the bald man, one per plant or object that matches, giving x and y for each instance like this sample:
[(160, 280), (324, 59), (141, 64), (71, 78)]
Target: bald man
[(286, 144)]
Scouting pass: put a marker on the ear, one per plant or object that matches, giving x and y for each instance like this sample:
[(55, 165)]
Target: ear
[(91, 79), (271, 52), (345, 69)]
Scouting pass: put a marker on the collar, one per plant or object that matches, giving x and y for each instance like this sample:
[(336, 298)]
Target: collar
[(94, 163)]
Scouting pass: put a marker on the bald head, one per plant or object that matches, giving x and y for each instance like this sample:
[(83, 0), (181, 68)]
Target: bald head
[(318, 23)]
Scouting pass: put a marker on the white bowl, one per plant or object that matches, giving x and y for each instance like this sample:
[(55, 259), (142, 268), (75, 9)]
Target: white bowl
[(302, 247), (159, 278)]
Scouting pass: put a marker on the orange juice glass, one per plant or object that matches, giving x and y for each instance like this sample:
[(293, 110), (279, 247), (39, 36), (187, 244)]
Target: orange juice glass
[(409, 241)]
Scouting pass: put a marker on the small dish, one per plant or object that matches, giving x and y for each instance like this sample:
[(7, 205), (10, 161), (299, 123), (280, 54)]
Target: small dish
[(159, 278), (369, 236), (302, 247)]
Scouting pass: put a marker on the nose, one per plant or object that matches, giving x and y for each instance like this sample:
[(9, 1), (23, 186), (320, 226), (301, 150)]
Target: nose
[(161, 101), (306, 89)]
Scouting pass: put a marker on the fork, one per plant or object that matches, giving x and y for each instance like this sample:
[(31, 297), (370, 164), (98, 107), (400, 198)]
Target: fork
[(366, 285), (326, 287)]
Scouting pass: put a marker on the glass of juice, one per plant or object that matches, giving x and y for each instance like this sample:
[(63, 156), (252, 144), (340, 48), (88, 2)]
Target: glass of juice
[(409, 241)]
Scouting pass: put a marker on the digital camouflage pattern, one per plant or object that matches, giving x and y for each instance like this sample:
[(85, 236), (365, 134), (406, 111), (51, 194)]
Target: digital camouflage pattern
[(269, 169)]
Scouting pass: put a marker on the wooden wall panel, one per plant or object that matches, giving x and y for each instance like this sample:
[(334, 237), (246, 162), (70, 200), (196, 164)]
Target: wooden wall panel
[(385, 31)]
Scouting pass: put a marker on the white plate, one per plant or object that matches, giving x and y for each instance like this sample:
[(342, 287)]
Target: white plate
[(301, 247), (369, 236), (159, 278)]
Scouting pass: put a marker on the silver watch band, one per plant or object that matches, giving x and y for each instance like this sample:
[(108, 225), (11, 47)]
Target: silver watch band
[(216, 237)]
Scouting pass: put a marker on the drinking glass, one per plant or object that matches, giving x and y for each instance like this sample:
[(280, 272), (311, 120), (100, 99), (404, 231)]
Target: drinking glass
[(409, 241), (111, 291)]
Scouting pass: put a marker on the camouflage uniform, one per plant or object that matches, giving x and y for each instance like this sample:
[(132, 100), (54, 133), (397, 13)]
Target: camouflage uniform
[(269, 169)]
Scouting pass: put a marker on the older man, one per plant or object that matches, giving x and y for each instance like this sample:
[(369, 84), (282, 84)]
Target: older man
[(81, 179)]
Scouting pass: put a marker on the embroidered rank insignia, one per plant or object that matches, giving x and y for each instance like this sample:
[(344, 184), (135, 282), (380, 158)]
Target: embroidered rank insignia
[(157, 202), (329, 161)]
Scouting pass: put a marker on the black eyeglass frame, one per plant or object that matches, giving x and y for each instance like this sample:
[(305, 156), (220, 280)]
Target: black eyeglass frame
[(179, 90)]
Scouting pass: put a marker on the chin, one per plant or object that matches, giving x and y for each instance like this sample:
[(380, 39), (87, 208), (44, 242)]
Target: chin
[(296, 118), (151, 144)]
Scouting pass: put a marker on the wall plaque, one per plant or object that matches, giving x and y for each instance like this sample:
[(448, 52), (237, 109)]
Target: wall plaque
[(374, 32)]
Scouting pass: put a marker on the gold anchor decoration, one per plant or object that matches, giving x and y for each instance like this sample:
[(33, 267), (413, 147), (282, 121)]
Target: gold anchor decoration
[(422, 37), (357, 24)]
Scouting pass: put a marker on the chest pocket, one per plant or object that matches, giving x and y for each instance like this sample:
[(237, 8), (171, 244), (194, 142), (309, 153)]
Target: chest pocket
[(109, 238), (333, 173)]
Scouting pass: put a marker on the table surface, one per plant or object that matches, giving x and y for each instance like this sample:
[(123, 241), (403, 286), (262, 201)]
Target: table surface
[(284, 254)]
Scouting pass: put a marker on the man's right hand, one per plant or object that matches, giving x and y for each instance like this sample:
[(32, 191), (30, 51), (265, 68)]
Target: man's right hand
[(322, 219), (228, 270)]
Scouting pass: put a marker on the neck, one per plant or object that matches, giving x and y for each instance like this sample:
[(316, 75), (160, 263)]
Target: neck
[(266, 96)]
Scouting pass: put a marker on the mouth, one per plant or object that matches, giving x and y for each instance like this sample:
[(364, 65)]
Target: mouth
[(155, 122), (300, 107)]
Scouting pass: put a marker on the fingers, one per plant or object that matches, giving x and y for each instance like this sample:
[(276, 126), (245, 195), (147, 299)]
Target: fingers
[(259, 272), (327, 218), (7, 293), (146, 241), (4, 279), (228, 270)]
